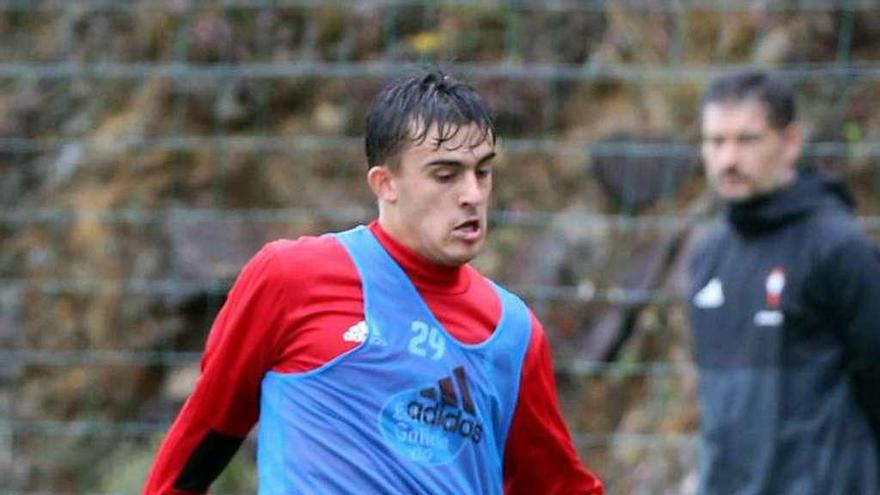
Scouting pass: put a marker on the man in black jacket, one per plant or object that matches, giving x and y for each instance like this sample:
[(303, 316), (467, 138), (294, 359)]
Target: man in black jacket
[(785, 309)]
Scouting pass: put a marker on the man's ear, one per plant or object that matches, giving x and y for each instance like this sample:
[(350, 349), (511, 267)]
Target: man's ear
[(793, 137), (383, 184)]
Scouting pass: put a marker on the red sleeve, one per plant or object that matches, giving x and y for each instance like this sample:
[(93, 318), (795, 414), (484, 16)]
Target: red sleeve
[(539, 456), (224, 405)]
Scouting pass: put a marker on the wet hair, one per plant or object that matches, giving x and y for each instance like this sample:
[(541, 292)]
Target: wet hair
[(405, 110), (773, 93)]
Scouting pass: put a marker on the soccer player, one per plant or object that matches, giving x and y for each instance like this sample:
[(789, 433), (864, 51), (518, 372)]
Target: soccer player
[(377, 360), (785, 307)]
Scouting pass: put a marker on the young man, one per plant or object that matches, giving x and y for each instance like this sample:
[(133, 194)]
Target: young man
[(377, 360), (785, 308)]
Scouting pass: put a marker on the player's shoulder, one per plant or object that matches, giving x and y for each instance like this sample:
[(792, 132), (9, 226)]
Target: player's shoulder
[(302, 256), (837, 237), (305, 248), (706, 242), (710, 234), (833, 226)]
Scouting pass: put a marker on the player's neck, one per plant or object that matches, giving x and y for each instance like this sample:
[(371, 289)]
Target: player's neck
[(425, 274)]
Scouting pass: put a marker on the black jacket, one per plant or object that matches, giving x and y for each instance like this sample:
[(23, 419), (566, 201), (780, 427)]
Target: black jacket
[(785, 310)]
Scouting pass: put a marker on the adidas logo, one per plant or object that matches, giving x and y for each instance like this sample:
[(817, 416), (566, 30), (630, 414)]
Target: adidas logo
[(441, 407), (710, 296), (432, 424), (357, 332), (360, 331)]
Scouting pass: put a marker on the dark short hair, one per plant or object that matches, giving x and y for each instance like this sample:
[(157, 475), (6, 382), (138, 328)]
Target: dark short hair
[(427, 98), (774, 93)]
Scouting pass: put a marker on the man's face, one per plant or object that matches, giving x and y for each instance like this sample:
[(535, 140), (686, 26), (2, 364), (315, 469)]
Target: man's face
[(435, 202), (744, 155)]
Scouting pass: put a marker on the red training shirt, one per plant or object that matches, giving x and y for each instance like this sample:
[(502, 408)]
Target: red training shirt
[(287, 312)]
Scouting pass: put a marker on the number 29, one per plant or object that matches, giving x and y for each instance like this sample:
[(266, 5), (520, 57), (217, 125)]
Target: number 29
[(426, 338)]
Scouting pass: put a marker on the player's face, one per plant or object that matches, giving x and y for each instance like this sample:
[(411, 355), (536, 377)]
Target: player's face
[(743, 154), (435, 202)]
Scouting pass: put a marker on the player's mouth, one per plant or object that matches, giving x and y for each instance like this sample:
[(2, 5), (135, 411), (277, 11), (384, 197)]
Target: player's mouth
[(731, 183), (469, 230), (732, 176), (732, 179)]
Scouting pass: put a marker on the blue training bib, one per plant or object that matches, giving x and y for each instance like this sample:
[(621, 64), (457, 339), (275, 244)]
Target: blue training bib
[(411, 410)]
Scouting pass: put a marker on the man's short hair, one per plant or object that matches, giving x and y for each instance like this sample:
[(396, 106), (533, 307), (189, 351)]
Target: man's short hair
[(774, 93), (405, 110)]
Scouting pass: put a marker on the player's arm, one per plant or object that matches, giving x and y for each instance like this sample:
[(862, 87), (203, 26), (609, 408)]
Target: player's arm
[(224, 404), (849, 281), (539, 456)]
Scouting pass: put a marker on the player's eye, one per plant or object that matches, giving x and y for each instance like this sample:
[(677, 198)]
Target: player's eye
[(444, 175), (748, 138), (713, 141)]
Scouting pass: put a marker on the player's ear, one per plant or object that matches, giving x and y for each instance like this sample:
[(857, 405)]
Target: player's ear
[(793, 139), (383, 184)]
